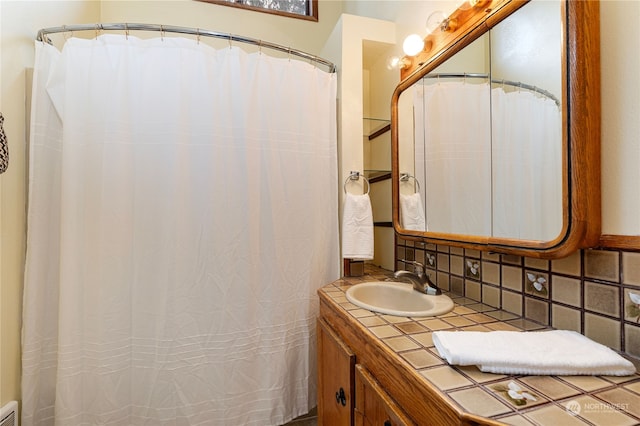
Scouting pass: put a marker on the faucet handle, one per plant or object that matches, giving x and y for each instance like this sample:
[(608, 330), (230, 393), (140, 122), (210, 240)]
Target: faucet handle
[(423, 269)]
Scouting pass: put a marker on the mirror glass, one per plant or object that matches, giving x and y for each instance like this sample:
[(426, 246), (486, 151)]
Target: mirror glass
[(480, 137)]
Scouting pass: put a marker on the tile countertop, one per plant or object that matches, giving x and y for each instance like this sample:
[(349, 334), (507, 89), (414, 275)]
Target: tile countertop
[(559, 400)]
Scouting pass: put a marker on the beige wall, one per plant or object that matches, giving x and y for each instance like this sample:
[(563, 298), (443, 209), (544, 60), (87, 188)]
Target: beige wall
[(296, 33), (620, 44), (356, 33)]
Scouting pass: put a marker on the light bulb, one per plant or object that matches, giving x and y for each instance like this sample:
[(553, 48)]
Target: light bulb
[(396, 62), (434, 20), (413, 45), (393, 62)]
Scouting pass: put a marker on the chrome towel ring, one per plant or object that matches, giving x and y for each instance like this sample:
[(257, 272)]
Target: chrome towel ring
[(404, 177), (353, 176)]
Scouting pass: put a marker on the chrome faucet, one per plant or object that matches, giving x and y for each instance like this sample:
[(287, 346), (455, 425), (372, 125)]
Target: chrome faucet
[(419, 279)]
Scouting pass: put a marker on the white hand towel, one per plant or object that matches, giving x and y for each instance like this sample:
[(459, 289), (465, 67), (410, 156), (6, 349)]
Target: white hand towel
[(555, 352), (412, 212), (357, 227)]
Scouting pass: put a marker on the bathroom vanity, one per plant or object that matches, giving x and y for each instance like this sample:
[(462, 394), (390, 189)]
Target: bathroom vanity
[(377, 369)]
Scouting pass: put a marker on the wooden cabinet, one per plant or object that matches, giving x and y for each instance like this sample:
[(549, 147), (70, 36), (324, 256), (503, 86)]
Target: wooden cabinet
[(347, 393), (335, 378), (374, 407), (381, 389)]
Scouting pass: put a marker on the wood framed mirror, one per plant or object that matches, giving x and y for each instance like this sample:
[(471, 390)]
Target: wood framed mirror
[(495, 130)]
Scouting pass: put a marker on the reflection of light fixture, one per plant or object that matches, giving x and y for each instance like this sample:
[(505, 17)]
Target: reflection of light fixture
[(413, 45), (434, 20), (396, 62)]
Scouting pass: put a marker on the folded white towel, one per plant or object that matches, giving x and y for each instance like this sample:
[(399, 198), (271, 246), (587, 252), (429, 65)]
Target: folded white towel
[(555, 352), (357, 227), (412, 212)]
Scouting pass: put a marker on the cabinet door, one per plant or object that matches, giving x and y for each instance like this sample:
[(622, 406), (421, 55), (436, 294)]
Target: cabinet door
[(374, 407), (335, 378)]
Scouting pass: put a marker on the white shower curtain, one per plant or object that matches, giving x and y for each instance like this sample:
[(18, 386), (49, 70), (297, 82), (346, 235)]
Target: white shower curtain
[(491, 160), (182, 214), (455, 125), (527, 165)]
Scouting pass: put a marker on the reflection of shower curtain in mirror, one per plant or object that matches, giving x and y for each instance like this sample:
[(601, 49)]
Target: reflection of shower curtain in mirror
[(456, 162), (527, 166), (182, 214), (503, 179)]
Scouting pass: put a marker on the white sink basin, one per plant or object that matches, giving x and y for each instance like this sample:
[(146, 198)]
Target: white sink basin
[(398, 299)]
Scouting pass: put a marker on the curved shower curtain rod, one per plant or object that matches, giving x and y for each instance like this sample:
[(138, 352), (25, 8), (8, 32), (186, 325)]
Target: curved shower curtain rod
[(518, 84), (42, 36)]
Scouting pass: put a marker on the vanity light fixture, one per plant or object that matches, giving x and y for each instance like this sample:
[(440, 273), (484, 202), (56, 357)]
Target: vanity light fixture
[(437, 21), (413, 45)]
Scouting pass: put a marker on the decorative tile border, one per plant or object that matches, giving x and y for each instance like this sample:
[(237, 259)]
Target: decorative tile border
[(587, 291)]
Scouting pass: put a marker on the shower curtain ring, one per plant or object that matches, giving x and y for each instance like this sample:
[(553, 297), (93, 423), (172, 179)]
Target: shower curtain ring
[(161, 33), (126, 31), (67, 33), (198, 35), (230, 40)]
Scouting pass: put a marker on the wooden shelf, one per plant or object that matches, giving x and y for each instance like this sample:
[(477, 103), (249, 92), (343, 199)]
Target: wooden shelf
[(374, 127)]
